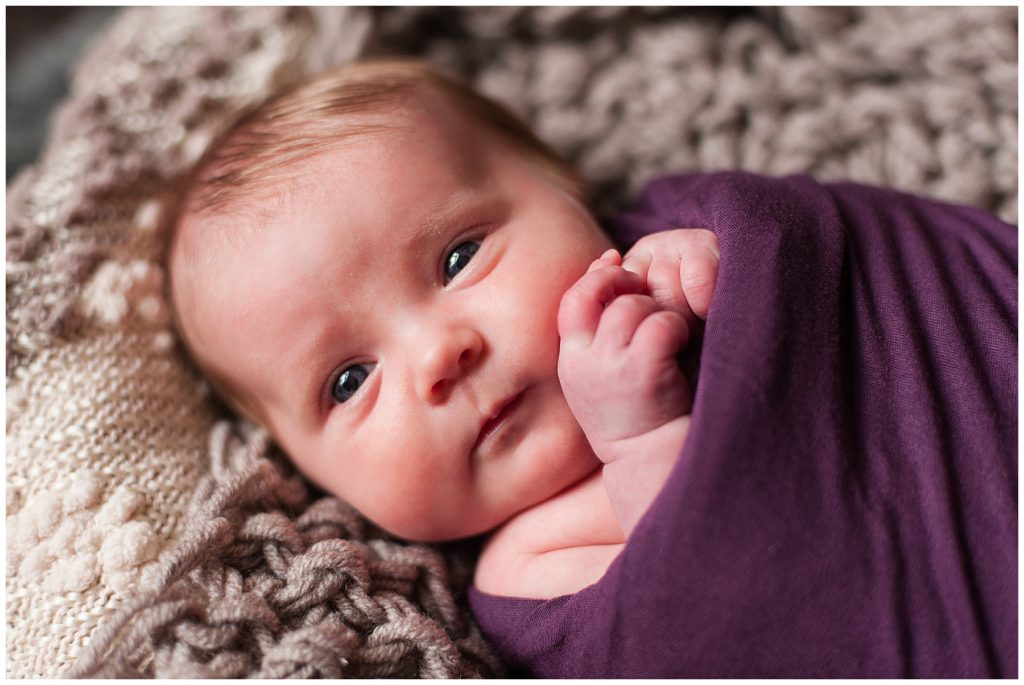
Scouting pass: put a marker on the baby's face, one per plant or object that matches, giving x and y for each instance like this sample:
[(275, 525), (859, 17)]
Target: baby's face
[(393, 316)]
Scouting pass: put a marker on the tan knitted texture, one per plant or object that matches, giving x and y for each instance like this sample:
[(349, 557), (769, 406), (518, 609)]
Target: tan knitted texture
[(134, 511), (273, 581), (106, 425)]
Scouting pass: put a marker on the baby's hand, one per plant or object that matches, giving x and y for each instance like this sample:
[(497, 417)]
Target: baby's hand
[(679, 269), (617, 363)]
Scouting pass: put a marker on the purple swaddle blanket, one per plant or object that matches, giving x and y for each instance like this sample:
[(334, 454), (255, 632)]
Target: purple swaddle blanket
[(846, 502)]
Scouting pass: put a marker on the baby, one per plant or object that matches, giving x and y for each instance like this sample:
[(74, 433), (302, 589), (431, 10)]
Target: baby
[(403, 284), (397, 279)]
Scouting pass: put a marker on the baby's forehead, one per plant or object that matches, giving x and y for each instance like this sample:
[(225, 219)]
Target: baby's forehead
[(257, 178), (423, 136), (414, 141)]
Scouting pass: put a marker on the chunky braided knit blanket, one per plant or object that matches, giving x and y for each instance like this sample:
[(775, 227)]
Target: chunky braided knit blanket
[(151, 533)]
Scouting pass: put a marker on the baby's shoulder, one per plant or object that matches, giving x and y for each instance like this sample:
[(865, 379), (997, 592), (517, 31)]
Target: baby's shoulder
[(554, 549), (545, 575)]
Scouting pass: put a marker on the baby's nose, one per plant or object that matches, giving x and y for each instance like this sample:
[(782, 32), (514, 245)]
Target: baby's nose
[(446, 358)]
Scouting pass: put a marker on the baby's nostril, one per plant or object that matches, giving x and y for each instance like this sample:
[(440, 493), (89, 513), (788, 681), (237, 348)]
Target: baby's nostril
[(440, 389)]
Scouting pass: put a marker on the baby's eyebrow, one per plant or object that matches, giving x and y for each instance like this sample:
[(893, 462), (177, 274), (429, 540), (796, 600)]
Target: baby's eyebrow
[(435, 221)]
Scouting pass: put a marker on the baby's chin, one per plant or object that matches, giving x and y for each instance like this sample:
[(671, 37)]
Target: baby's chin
[(557, 457), (438, 534), (463, 524)]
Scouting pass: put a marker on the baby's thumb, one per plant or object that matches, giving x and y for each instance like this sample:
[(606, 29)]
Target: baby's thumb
[(637, 261), (698, 277)]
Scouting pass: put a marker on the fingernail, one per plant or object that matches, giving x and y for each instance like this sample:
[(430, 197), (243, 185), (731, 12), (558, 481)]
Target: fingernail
[(609, 253)]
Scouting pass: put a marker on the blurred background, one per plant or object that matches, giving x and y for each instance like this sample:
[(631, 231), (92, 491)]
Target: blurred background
[(43, 44)]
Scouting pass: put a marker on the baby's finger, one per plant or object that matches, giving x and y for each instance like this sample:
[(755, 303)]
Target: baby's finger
[(663, 282), (611, 257), (620, 318), (661, 335), (637, 260), (698, 275), (582, 305)]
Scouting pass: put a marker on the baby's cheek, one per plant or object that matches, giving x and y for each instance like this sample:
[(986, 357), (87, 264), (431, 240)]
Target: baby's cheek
[(537, 320), (548, 326)]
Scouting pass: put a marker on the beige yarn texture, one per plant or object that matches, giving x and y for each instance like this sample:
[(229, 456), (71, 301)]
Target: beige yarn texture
[(148, 533)]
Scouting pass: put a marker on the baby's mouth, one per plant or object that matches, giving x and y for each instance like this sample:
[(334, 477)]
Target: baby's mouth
[(493, 425)]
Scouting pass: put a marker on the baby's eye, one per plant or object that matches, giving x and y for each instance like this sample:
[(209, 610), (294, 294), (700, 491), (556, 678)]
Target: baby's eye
[(459, 257), (349, 382)]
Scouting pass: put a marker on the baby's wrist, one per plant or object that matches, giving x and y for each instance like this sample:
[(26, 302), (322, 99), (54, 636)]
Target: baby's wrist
[(665, 438), (639, 468)]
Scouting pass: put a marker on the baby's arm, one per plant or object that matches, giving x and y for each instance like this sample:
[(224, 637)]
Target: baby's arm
[(618, 363)]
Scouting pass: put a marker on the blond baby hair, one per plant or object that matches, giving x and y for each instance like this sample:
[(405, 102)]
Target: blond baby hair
[(333, 107)]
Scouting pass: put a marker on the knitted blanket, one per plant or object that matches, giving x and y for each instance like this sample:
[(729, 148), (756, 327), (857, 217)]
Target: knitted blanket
[(151, 533)]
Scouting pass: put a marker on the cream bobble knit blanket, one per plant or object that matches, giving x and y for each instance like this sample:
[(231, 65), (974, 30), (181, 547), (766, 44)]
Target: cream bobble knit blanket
[(148, 532)]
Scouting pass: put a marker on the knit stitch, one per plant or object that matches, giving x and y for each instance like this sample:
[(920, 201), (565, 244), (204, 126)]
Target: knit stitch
[(151, 534)]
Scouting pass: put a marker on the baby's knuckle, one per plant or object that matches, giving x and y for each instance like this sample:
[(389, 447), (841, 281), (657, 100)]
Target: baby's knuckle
[(631, 302), (674, 323), (644, 370), (574, 298), (664, 290), (663, 268), (707, 242), (708, 238), (697, 280), (602, 361), (660, 291), (571, 293)]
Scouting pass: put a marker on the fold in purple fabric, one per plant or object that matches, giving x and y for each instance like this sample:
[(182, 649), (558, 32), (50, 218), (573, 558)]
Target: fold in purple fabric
[(846, 501)]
